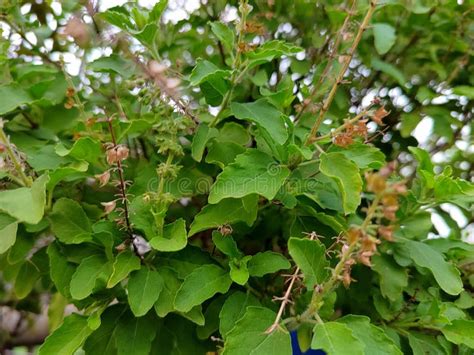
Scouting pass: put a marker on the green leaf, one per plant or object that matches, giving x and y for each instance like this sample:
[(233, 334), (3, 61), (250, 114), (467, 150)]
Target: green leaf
[(171, 285), (233, 309), (200, 285), (227, 211), (85, 278), (84, 148), (69, 222), (200, 139), (174, 237), (267, 262), (390, 70), (124, 264), (205, 71), (310, 257), (445, 273), (113, 64), (68, 337), (61, 270), (271, 50), (102, 340), (238, 270), (393, 278), (26, 279), (365, 156), (384, 37), (144, 287), (232, 132), (134, 335), (423, 344), (464, 90), (224, 34), (26, 204), (223, 153), (211, 80), (373, 338), (13, 96), (211, 316), (8, 229), (346, 174), (460, 331), (252, 172), (248, 336), (335, 339), (265, 116), (226, 244)]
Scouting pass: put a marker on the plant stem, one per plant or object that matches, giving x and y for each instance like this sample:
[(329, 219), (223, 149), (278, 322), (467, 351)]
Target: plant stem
[(329, 64), (317, 300), (23, 179), (121, 182), (236, 65), (343, 126), (340, 76), (286, 297)]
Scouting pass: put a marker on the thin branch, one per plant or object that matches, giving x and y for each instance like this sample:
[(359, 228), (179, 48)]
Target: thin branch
[(286, 297), (23, 179), (340, 76), (329, 64)]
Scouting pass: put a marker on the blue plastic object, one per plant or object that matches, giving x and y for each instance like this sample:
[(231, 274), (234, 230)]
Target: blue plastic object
[(296, 347)]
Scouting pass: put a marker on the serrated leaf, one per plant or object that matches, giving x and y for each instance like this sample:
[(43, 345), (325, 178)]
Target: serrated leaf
[(200, 285), (335, 339), (373, 338), (267, 262), (69, 222), (265, 116), (393, 278), (26, 204), (346, 174), (446, 274), (460, 331), (174, 237), (68, 337), (384, 37), (124, 264), (227, 211), (87, 274), (248, 336), (253, 172), (310, 256), (144, 287)]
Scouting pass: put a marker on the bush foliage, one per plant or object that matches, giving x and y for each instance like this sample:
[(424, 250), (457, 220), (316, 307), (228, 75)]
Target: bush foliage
[(180, 180)]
